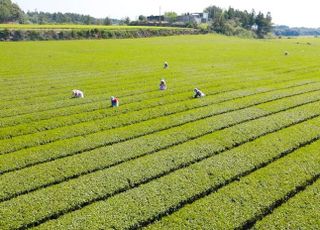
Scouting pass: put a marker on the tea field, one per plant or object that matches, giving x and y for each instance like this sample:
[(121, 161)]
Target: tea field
[(246, 156)]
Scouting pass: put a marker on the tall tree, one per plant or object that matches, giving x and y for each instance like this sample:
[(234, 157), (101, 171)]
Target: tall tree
[(126, 20), (214, 12), (107, 21), (235, 22), (264, 24), (10, 12), (142, 18), (252, 18), (171, 16), (5, 10)]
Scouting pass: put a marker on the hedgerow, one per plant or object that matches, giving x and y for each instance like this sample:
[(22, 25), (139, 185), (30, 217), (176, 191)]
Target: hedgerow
[(86, 105), (82, 107), (300, 212), (131, 98), (41, 138), (98, 96), (147, 202), (192, 152), (93, 33), (251, 196), (109, 156), (53, 96), (53, 123), (76, 145)]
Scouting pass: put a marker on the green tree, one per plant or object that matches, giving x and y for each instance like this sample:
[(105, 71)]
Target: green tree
[(252, 18), (214, 12), (126, 20), (230, 13), (4, 12), (240, 23), (142, 18), (16, 13), (245, 20), (171, 16), (107, 21), (10, 12), (218, 24), (88, 20), (264, 24)]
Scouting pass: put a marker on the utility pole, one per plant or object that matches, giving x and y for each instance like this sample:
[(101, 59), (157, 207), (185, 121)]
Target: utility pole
[(159, 14)]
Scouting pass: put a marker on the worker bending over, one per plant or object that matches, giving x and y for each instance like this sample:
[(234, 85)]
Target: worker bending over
[(198, 93)]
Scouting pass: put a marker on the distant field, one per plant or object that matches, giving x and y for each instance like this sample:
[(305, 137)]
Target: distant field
[(245, 156), (72, 26)]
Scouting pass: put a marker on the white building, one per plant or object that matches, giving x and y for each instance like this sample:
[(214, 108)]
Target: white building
[(194, 17)]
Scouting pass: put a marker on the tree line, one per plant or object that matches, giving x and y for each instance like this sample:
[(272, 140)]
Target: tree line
[(66, 18), (11, 12), (229, 22), (237, 22), (295, 31)]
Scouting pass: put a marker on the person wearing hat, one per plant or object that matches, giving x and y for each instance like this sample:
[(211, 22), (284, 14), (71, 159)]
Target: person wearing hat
[(114, 102), (163, 85), (198, 93), (77, 93), (165, 65)]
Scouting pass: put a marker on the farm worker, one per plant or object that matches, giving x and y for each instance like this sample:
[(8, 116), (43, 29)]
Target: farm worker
[(163, 85), (114, 101), (77, 93), (166, 65), (198, 93)]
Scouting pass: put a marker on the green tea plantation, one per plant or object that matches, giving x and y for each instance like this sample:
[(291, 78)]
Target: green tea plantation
[(245, 156)]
